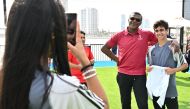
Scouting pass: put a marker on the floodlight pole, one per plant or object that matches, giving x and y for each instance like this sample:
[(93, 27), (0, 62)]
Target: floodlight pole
[(182, 29)]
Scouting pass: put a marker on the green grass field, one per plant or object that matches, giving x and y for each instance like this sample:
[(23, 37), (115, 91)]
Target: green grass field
[(107, 76)]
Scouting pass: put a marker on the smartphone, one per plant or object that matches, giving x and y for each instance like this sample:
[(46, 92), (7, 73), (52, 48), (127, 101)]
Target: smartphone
[(71, 19)]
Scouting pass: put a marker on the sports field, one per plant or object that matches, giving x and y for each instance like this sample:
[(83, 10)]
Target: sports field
[(107, 76)]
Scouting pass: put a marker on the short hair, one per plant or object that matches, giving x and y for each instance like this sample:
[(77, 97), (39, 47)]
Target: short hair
[(82, 32), (161, 23), (136, 13)]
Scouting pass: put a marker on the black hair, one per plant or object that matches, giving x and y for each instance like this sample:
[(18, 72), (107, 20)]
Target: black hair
[(30, 27), (136, 13), (161, 23), (82, 32)]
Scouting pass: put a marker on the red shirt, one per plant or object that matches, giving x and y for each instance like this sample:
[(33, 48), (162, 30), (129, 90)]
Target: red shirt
[(73, 59), (132, 50)]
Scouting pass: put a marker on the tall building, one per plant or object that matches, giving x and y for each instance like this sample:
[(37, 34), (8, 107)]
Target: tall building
[(186, 9), (145, 23), (123, 22), (65, 4), (89, 20)]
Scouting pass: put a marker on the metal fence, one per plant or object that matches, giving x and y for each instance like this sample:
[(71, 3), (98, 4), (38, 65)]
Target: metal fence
[(98, 55), (95, 48), (1, 53), (1, 49)]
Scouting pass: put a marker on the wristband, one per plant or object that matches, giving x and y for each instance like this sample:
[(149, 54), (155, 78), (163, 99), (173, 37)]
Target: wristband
[(90, 76), (88, 71), (85, 67)]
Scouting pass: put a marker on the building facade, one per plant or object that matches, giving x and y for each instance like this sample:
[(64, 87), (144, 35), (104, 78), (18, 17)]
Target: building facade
[(65, 4), (89, 20), (186, 9), (123, 21)]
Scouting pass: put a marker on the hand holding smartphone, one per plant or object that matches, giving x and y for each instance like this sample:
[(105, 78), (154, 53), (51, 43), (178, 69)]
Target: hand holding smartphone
[(71, 27)]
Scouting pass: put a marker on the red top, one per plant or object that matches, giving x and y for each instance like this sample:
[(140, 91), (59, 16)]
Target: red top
[(132, 50), (73, 59)]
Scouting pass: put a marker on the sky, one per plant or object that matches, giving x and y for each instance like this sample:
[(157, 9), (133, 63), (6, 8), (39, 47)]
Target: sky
[(9, 3), (109, 11)]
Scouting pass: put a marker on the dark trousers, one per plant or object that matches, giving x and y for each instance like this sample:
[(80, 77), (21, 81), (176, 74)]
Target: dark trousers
[(138, 83), (171, 103)]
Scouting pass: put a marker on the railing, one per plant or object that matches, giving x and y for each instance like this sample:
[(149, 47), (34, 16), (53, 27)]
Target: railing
[(95, 48), (1, 48), (1, 53), (98, 55)]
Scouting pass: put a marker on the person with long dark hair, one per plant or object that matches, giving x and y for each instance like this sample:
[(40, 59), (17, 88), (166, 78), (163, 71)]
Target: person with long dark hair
[(35, 29)]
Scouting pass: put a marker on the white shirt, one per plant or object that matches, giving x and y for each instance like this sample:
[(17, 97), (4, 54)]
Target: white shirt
[(64, 94), (157, 83)]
